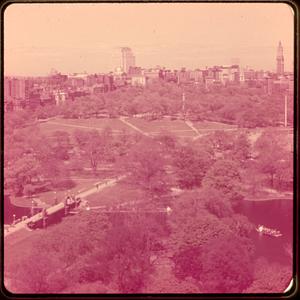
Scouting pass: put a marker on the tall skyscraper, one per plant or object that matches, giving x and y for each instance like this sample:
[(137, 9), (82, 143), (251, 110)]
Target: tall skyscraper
[(280, 59), (128, 59)]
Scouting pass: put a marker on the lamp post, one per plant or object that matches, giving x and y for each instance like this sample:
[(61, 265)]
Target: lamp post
[(44, 217), (32, 207), (168, 210), (55, 198), (285, 110)]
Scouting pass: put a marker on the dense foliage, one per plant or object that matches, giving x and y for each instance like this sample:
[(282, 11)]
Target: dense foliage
[(201, 244)]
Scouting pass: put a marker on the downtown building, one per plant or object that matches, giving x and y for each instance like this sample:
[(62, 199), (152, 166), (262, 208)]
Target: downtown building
[(280, 60), (16, 92), (128, 59)]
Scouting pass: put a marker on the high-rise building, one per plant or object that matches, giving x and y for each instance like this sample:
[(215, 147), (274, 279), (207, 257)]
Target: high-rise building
[(128, 59), (7, 88), (280, 59), (19, 88)]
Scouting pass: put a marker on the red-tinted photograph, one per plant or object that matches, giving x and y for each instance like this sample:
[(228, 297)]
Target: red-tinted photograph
[(148, 148)]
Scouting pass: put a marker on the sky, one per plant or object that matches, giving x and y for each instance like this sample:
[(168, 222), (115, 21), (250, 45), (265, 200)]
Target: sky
[(75, 38)]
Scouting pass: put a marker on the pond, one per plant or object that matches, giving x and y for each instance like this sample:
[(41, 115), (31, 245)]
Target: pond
[(276, 214), (10, 209)]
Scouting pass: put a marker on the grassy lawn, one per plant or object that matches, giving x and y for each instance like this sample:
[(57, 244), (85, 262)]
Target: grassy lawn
[(117, 194), (48, 128), (115, 124), (213, 125), (176, 127), (158, 125), (81, 185), (288, 140), (178, 134), (83, 124)]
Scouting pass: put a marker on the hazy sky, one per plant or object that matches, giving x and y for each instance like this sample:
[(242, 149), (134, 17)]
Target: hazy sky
[(87, 37)]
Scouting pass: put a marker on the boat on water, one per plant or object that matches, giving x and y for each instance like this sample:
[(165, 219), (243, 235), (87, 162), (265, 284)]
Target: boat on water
[(268, 231)]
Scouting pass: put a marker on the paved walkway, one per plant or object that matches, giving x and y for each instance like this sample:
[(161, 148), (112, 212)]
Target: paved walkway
[(269, 198), (123, 119), (99, 187), (191, 125)]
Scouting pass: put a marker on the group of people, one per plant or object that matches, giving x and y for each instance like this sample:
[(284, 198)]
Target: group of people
[(70, 202)]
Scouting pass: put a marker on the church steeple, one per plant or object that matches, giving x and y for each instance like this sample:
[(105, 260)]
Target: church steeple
[(280, 59)]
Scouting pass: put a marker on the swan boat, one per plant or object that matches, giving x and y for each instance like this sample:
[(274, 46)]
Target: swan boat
[(268, 231)]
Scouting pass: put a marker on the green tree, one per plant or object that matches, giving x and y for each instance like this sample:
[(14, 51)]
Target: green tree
[(168, 140), (240, 225), (131, 240), (270, 153), (146, 165), (216, 202), (38, 272), (94, 146), (252, 117), (188, 263), (241, 150), (61, 144), (284, 172), (226, 266), (224, 176), (222, 141), (191, 166), (191, 226), (24, 171), (97, 147), (72, 251), (269, 277)]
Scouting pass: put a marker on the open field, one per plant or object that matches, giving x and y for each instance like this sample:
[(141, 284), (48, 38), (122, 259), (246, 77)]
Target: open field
[(207, 125), (176, 127), (158, 125), (177, 133), (70, 125), (115, 124)]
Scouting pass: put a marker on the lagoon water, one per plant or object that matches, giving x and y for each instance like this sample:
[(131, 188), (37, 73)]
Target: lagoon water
[(275, 214), (10, 209)]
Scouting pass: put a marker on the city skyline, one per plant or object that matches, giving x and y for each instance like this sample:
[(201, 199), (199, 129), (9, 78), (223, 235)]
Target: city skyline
[(236, 31)]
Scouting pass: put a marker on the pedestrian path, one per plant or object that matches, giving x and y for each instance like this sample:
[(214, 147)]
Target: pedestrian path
[(99, 186), (123, 119), (191, 125)]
